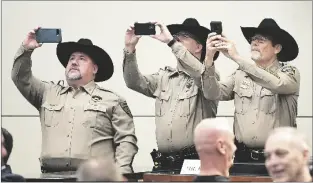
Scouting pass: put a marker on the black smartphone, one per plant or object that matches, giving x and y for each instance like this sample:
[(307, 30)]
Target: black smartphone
[(144, 29), (48, 35), (216, 26)]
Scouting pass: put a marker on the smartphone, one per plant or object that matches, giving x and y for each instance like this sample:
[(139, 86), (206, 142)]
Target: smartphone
[(48, 35), (216, 26), (144, 29)]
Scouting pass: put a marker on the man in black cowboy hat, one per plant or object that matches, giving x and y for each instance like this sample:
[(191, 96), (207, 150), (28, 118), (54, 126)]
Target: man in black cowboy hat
[(265, 92), (180, 103), (80, 120)]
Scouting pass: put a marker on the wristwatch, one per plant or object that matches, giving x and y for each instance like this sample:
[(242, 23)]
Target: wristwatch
[(171, 42)]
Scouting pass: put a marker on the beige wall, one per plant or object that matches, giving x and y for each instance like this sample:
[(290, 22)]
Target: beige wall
[(105, 24)]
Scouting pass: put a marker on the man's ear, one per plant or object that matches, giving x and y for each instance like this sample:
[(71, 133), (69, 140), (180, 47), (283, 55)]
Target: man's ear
[(199, 48), (278, 48), (220, 146), (95, 69)]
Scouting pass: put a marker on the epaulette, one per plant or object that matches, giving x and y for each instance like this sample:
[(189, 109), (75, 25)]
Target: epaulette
[(60, 83), (170, 69), (288, 69), (107, 90)]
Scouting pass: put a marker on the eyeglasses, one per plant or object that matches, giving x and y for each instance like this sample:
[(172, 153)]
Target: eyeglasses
[(258, 38)]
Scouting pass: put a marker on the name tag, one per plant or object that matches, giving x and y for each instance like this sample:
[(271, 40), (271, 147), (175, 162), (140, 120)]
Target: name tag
[(191, 166)]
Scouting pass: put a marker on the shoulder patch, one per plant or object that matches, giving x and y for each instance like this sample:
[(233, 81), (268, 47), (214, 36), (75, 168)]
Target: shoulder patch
[(289, 70), (125, 107)]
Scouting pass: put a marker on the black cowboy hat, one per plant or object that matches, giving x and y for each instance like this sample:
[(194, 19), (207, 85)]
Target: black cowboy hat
[(192, 26), (269, 27), (97, 54)]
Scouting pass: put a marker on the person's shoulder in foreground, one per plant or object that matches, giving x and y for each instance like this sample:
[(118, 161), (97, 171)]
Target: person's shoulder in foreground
[(211, 178)]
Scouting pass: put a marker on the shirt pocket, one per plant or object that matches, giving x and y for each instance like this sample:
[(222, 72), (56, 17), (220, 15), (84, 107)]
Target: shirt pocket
[(95, 115), (186, 101), (268, 101), (162, 98), (53, 114), (243, 99)]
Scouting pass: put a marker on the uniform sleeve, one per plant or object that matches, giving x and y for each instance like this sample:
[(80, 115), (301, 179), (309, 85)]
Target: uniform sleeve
[(30, 87), (125, 138), (189, 62), (285, 81), (214, 89), (145, 84), (193, 66)]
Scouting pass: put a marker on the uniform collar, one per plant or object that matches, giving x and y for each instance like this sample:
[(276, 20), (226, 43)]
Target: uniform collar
[(178, 71), (89, 87)]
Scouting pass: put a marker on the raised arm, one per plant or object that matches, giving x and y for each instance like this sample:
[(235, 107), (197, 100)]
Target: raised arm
[(145, 84), (213, 89), (285, 81), (31, 88), (132, 76)]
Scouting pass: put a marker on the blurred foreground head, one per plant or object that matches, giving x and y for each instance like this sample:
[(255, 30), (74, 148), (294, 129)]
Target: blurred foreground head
[(287, 156), (214, 141), (99, 169)]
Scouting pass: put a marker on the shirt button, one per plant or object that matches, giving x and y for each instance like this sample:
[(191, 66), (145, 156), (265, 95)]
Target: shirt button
[(253, 122)]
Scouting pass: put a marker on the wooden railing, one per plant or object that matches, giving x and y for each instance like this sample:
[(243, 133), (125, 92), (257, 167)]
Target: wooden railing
[(152, 177)]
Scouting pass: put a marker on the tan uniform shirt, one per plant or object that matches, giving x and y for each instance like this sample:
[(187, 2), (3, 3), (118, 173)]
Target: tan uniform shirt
[(180, 104), (264, 99), (90, 121)]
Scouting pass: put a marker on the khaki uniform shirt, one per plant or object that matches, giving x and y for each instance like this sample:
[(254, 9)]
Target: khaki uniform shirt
[(264, 99), (180, 104), (89, 121)]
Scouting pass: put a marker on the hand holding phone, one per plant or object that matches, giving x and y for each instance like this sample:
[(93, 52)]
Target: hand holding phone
[(44, 35), (144, 29), (216, 26)]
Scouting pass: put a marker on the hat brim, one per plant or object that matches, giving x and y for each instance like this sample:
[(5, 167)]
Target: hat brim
[(198, 31), (290, 49), (100, 57)]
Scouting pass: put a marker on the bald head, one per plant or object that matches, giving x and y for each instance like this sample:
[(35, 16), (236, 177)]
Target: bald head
[(287, 154), (214, 141), (209, 131), (97, 169)]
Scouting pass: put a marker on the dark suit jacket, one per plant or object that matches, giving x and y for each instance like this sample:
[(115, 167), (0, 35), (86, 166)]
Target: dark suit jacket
[(8, 176), (212, 178)]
